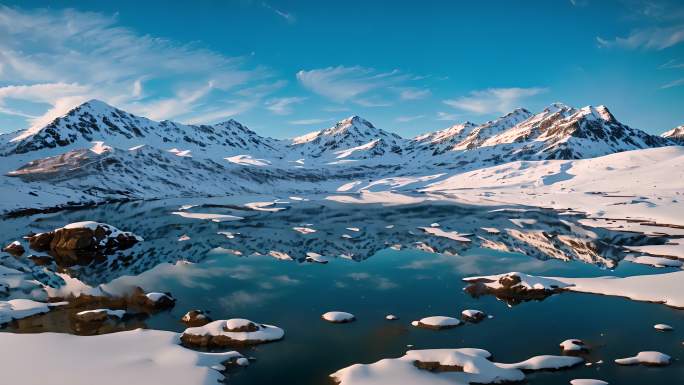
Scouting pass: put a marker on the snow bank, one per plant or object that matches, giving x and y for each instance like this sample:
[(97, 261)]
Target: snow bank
[(21, 308), (446, 367), (131, 357)]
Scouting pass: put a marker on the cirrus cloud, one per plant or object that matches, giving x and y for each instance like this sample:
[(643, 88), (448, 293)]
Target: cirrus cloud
[(500, 100), (60, 58)]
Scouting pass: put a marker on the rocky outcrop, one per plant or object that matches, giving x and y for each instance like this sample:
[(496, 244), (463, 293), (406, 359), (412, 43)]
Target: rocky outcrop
[(82, 242)]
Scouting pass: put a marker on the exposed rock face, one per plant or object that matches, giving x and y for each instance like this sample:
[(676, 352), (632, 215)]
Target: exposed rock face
[(15, 248), (81, 243)]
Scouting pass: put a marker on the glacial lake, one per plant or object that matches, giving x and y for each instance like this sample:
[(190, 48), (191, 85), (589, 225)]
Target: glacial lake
[(381, 260)]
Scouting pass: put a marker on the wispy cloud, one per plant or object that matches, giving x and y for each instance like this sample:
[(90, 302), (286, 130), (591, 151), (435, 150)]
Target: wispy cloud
[(656, 38), (283, 106), (674, 83), (74, 56), (447, 116), (414, 93), (672, 64), (308, 122), (287, 16), (404, 119), (500, 100), (356, 84)]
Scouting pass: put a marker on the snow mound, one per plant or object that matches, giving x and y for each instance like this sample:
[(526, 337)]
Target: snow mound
[(236, 331), (649, 358), (338, 317), (436, 322), (130, 357), (446, 366), (573, 345), (663, 327), (472, 315)]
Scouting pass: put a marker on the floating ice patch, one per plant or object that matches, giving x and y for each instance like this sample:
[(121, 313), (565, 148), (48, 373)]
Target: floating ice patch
[(304, 230), (649, 358), (356, 229), (391, 317), (338, 317), (436, 322), (663, 327), (491, 230), (264, 206), (587, 381), (183, 238), (208, 216)]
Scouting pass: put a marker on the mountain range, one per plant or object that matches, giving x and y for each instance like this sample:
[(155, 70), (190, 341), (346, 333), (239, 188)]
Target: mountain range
[(97, 152)]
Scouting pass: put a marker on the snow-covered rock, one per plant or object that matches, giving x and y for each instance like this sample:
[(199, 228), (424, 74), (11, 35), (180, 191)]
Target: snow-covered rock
[(232, 332), (436, 322), (391, 317), (195, 318), (98, 315), (472, 315), (649, 358), (667, 288), (573, 345), (338, 317)]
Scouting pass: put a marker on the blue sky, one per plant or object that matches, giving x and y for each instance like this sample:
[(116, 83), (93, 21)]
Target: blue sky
[(285, 68)]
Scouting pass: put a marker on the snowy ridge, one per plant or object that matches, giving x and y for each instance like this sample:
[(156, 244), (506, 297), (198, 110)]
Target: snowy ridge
[(676, 134), (97, 152)]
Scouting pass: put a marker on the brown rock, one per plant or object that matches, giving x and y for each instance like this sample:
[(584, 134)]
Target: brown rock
[(195, 318), (15, 249)]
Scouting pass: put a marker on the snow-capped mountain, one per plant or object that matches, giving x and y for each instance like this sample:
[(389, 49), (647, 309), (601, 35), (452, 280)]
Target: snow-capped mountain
[(96, 121), (97, 152), (443, 140), (676, 134), (351, 138)]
